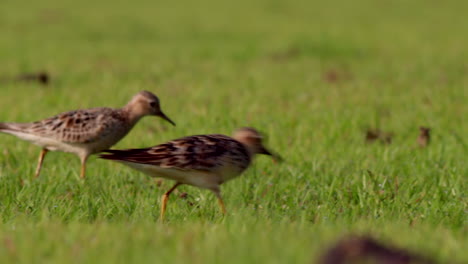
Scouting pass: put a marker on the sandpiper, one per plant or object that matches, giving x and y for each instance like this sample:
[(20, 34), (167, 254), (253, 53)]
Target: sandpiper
[(204, 161), (87, 131)]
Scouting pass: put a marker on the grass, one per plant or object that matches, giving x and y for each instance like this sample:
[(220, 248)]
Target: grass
[(313, 76)]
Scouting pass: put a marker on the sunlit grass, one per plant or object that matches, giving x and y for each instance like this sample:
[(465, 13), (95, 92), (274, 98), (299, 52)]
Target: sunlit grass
[(312, 76)]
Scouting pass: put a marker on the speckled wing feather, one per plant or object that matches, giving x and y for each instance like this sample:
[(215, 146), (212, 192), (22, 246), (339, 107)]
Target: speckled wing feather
[(80, 126), (202, 152)]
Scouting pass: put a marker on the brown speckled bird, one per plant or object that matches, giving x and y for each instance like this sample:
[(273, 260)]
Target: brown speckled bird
[(204, 161), (88, 131), (424, 136)]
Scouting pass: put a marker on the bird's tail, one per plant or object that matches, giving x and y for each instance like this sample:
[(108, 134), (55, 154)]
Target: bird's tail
[(111, 154), (6, 127), (3, 126), (129, 155)]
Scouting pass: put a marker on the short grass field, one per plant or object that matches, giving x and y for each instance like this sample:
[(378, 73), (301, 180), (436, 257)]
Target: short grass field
[(312, 75)]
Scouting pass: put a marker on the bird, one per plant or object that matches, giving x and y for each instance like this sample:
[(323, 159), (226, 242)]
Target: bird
[(203, 161), (86, 131), (424, 136)]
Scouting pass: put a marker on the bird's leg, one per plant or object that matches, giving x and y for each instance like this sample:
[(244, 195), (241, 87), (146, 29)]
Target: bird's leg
[(83, 166), (41, 160), (217, 192), (164, 199)]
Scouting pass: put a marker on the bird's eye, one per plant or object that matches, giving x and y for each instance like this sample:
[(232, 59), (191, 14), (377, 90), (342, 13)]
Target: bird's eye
[(153, 104)]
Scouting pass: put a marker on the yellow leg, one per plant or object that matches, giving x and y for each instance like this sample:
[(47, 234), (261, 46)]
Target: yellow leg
[(41, 160), (221, 205), (83, 167), (164, 199), (220, 201)]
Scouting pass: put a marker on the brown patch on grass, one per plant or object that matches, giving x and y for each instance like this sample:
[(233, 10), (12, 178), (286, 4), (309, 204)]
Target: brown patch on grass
[(158, 182), (365, 249), (187, 197), (335, 76), (424, 137), (42, 78), (373, 135)]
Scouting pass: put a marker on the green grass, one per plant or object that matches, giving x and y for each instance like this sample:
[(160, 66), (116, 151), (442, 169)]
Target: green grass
[(217, 66)]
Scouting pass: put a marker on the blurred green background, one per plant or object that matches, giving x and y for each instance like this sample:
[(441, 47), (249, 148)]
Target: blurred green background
[(312, 75)]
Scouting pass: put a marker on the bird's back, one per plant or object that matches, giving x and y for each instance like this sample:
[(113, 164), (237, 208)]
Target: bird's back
[(215, 154), (94, 128)]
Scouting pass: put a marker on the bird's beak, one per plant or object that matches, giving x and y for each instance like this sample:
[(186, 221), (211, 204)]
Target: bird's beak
[(274, 156), (164, 116)]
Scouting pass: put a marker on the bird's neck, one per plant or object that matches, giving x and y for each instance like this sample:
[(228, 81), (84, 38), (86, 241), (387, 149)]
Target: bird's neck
[(250, 151), (132, 113)]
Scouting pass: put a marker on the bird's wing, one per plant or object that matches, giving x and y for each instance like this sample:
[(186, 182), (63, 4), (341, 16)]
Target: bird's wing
[(80, 126), (203, 153)]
